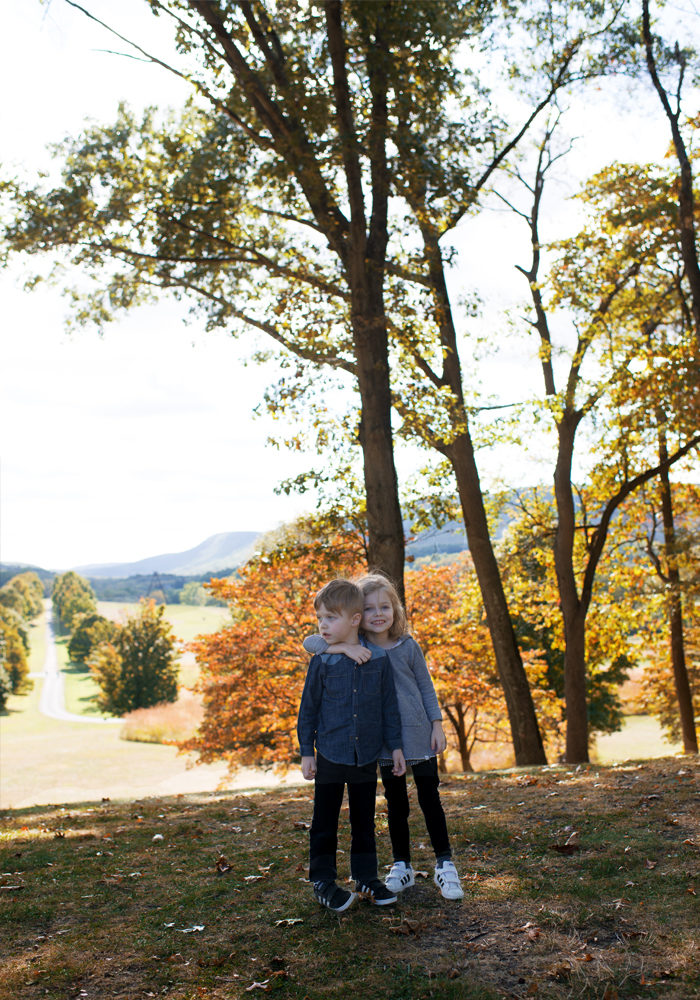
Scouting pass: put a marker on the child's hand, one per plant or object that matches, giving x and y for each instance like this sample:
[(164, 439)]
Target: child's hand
[(438, 740), (399, 767), (356, 652), (308, 768)]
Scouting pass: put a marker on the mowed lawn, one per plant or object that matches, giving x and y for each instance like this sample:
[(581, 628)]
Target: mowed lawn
[(50, 761)]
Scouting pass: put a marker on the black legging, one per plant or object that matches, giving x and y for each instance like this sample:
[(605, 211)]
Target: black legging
[(427, 780)]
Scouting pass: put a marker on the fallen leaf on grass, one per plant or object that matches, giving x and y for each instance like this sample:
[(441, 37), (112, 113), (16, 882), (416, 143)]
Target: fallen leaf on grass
[(407, 926), (565, 848), (222, 866), (191, 930), (264, 985), (610, 993), (299, 824), (691, 890), (252, 878), (650, 864), (562, 970), (288, 921)]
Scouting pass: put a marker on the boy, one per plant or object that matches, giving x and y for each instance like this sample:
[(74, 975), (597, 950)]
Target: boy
[(348, 711)]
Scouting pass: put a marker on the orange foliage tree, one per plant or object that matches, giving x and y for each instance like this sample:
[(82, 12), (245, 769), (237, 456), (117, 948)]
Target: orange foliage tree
[(252, 671), (449, 623)]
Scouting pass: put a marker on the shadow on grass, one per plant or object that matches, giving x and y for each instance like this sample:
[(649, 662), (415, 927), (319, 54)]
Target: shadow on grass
[(206, 895)]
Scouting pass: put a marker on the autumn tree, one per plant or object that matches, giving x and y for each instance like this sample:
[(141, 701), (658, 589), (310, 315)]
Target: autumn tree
[(71, 596), (612, 625), (23, 593), (667, 533), (309, 193), (620, 283), (89, 631), (447, 619), (137, 667), (668, 65), (14, 647), (252, 671)]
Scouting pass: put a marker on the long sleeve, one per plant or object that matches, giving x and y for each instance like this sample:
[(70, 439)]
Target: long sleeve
[(309, 708), (424, 681)]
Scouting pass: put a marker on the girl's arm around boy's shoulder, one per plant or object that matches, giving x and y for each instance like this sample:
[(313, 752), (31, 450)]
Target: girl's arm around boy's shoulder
[(317, 644)]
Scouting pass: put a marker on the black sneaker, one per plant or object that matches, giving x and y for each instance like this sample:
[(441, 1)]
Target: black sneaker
[(376, 892), (333, 897)]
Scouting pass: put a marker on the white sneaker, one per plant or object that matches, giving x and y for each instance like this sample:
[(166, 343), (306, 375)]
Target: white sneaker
[(400, 877), (447, 880)]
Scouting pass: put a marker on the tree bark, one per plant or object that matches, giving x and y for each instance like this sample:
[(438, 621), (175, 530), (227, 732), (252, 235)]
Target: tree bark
[(675, 608), (572, 609), (527, 740), (386, 545)]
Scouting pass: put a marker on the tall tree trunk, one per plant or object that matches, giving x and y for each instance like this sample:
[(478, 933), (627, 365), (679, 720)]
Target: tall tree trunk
[(572, 609), (459, 450), (675, 608), (527, 741), (384, 522)]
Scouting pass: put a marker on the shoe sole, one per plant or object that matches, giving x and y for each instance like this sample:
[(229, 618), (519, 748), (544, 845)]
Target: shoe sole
[(442, 892), (371, 898), (339, 909)]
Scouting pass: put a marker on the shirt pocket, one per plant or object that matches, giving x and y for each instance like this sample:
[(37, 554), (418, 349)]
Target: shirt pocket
[(370, 681), (337, 684)]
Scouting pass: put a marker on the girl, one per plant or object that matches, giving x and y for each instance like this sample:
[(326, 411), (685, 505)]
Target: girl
[(384, 625)]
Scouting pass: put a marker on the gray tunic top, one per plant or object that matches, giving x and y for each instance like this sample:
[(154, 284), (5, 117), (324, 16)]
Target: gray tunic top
[(418, 704)]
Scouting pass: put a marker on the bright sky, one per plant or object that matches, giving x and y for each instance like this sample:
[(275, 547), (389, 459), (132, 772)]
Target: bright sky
[(143, 441)]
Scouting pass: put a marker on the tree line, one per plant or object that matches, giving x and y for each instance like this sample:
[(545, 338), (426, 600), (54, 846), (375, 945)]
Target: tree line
[(133, 662), (311, 190), (21, 601)]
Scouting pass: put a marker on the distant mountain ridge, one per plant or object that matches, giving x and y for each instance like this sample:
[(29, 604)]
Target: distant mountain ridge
[(218, 552)]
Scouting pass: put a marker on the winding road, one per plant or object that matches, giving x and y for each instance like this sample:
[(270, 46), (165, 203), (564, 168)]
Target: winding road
[(52, 702)]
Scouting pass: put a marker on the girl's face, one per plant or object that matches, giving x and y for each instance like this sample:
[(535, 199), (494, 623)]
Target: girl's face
[(378, 614)]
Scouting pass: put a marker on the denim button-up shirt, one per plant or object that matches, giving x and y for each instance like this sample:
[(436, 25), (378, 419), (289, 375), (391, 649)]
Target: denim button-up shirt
[(348, 710)]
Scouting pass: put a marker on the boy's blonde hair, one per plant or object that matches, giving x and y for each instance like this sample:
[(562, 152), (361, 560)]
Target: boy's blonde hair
[(377, 581), (340, 595)]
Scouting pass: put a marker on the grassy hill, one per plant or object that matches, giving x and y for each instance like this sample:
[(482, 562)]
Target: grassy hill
[(579, 882)]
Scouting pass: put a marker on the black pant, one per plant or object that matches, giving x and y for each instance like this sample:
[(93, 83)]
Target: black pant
[(425, 775), (323, 838)]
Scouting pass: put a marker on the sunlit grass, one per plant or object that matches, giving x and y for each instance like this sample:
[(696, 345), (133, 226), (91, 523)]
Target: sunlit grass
[(109, 899)]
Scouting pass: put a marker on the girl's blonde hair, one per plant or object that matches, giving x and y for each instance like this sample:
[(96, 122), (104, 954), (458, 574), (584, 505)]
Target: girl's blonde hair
[(377, 581)]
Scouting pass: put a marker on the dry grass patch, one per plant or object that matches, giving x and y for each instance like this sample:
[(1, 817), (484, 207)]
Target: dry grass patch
[(169, 722), (578, 883)]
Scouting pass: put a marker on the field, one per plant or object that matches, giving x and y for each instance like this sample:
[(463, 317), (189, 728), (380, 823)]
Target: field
[(48, 761), (579, 883)]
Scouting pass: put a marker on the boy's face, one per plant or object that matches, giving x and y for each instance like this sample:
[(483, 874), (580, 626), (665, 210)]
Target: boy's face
[(337, 626)]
